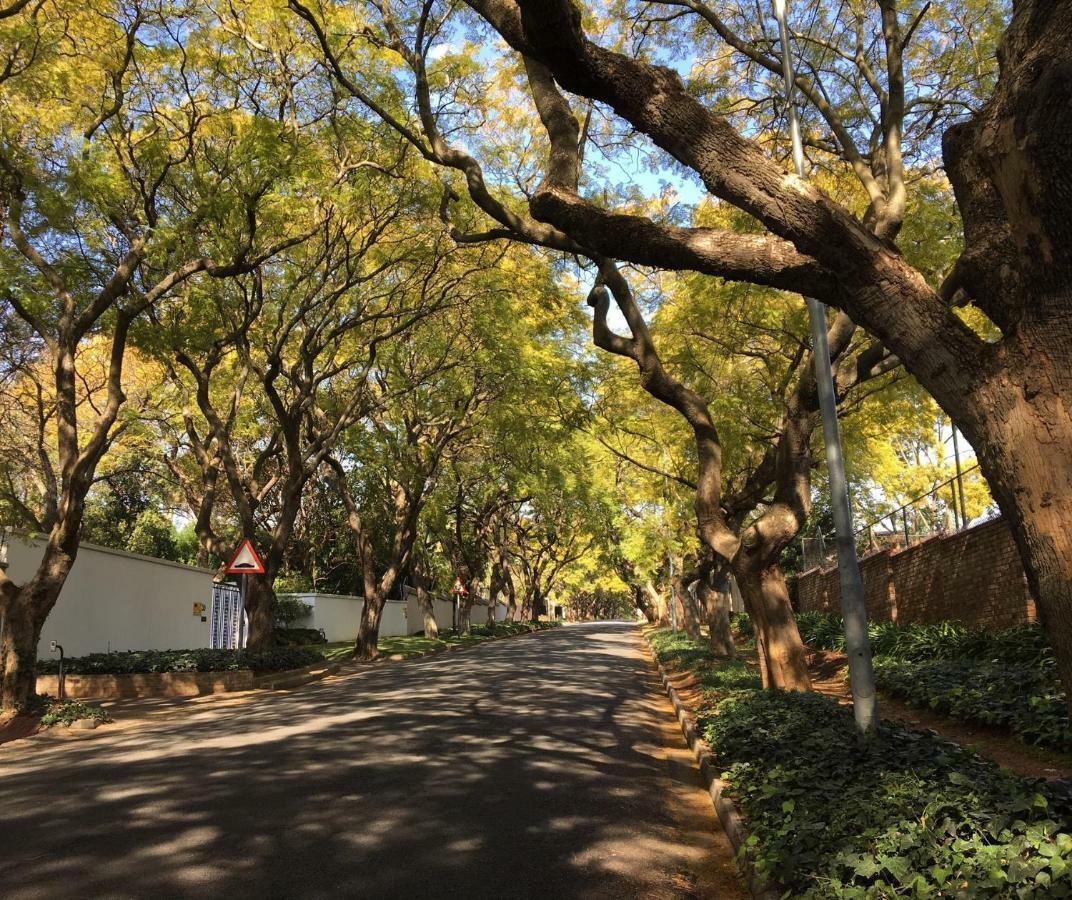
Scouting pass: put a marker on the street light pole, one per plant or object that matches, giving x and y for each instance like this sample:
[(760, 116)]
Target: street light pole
[(853, 604)]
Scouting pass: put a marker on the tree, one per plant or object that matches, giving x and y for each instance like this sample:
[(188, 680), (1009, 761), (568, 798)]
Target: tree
[(113, 198), (1008, 166), (281, 362), (437, 389)]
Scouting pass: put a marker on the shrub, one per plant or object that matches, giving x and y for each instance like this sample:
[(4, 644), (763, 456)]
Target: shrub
[(289, 610), (299, 637), (67, 712), (131, 662)]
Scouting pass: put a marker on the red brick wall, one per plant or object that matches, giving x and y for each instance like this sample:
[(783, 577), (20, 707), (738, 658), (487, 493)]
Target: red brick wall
[(974, 577)]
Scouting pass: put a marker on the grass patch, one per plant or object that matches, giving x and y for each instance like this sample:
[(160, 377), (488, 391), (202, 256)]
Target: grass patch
[(907, 815)]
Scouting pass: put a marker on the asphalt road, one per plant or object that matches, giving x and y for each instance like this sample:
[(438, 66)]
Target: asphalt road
[(542, 766)]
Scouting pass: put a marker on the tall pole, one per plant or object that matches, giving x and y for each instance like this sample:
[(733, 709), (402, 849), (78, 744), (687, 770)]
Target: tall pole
[(853, 604)]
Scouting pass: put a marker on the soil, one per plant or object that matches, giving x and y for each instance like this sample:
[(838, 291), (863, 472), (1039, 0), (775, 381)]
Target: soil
[(14, 728)]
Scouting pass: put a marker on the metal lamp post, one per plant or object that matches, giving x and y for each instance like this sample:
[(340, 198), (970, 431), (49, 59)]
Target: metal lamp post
[(853, 605)]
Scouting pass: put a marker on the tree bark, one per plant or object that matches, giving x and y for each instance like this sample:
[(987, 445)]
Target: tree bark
[(424, 601), (686, 608), (260, 611), (715, 600), (18, 650), (642, 602), (783, 663), (366, 647)]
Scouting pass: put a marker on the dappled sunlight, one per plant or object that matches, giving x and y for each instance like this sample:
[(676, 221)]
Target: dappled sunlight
[(388, 781)]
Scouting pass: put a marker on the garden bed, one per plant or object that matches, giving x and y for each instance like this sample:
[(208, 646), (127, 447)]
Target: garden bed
[(907, 815), (139, 662), (1004, 679)]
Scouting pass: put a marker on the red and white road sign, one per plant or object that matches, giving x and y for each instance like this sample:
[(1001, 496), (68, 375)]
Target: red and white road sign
[(460, 588), (246, 561)]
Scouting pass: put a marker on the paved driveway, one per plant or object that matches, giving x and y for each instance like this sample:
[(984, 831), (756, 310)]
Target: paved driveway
[(542, 766)]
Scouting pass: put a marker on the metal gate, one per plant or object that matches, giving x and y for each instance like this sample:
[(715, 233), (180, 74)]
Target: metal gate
[(227, 621)]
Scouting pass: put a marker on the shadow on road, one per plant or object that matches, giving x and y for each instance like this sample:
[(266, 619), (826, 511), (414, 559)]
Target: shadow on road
[(521, 768)]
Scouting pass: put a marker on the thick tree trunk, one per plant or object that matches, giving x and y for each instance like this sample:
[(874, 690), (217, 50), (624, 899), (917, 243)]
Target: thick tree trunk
[(260, 611), (640, 598), (366, 647), (715, 601), (18, 651), (783, 662), (1028, 462), (24, 611), (657, 604)]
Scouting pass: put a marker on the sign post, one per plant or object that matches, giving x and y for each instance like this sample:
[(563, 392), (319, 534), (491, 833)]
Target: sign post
[(245, 562)]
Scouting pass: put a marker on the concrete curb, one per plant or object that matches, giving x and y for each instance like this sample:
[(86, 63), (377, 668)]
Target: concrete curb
[(732, 821), (275, 681)]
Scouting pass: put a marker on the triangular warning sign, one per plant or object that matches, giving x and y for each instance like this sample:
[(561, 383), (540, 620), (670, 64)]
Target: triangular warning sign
[(245, 561)]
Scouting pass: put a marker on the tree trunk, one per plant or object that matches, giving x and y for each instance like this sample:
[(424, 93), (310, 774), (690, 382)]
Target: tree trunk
[(1029, 465), (424, 601), (783, 661), (260, 610), (715, 601), (24, 611), (513, 614), (642, 602), (18, 651), (659, 611), (686, 609), (367, 645), (465, 607)]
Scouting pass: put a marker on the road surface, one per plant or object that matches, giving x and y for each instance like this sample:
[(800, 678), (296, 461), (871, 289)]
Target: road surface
[(541, 766)]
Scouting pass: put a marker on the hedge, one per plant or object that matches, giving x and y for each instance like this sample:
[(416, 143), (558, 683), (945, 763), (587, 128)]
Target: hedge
[(905, 815), (131, 662)]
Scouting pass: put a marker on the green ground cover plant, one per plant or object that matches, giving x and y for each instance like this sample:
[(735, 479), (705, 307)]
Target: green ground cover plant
[(131, 662), (907, 815), (1026, 700), (1003, 679), (67, 712), (277, 659), (1025, 645)]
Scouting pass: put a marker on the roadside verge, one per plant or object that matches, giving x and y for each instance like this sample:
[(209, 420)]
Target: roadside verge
[(732, 821)]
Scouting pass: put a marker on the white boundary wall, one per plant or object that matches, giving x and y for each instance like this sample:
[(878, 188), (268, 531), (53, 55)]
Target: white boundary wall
[(339, 616), (114, 600)]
